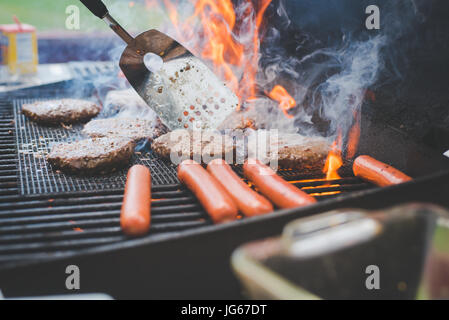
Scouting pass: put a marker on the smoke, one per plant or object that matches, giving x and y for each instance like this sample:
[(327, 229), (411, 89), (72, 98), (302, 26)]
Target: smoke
[(319, 51), (340, 96), (326, 58)]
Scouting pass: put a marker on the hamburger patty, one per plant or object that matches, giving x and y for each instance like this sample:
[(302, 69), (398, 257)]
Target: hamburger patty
[(61, 111), (134, 129), (98, 155), (201, 146), (293, 151)]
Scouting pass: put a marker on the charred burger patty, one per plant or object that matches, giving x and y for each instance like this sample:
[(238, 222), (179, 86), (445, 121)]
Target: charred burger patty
[(96, 155), (61, 111), (194, 145), (292, 151), (134, 129)]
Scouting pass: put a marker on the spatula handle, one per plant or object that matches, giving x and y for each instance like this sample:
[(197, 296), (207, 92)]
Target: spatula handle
[(97, 7)]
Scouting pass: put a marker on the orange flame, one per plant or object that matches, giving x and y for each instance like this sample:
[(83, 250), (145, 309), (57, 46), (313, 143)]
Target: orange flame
[(286, 101), (334, 160), (353, 137), (216, 40)]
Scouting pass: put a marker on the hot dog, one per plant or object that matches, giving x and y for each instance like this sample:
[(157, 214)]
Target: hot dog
[(212, 196), (272, 186), (378, 172), (135, 214), (249, 202)]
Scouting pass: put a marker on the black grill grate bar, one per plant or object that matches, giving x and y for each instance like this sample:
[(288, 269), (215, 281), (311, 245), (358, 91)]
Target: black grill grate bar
[(61, 235), (343, 188), (10, 147), (90, 193), (44, 254), (4, 179), (58, 245), (6, 152), (8, 161), (155, 217), (169, 194), (8, 157), (8, 191), (178, 208), (56, 226), (62, 209), (95, 238), (7, 167), (83, 224), (8, 185), (7, 172), (7, 178), (168, 205), (177, 226), (181, 216), (157, 205), (87, 197), (45, 203), (159, 199), (58, 217)]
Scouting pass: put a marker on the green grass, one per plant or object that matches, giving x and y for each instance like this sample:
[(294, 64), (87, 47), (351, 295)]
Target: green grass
[(48, 15)]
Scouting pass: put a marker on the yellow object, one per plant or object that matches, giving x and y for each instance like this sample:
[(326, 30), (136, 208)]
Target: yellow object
[(18, 43)]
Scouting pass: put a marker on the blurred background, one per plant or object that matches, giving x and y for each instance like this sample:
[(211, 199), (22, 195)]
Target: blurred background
[(57, 43), (49, 16)]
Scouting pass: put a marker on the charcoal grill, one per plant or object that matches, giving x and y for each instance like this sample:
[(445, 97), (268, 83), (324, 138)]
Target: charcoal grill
[(49, 220)]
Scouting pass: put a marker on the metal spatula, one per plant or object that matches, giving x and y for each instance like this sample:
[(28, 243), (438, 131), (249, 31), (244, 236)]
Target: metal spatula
[(178, 86)]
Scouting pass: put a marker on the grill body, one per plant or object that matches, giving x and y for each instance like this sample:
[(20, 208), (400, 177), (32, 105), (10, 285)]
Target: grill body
[(51, 220)]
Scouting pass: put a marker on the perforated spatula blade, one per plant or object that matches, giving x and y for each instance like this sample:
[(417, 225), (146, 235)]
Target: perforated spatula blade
[(178, 86)]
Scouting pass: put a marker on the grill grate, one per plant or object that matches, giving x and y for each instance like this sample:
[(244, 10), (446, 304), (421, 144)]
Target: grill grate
[(45, 226), (44, 214), (34, 141), (54, 224), (8, 159)]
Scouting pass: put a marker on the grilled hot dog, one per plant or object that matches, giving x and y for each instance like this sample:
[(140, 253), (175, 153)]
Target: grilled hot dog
[(378, 172), (213, 197), (135, 214), (249, 202), (272, 186)]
